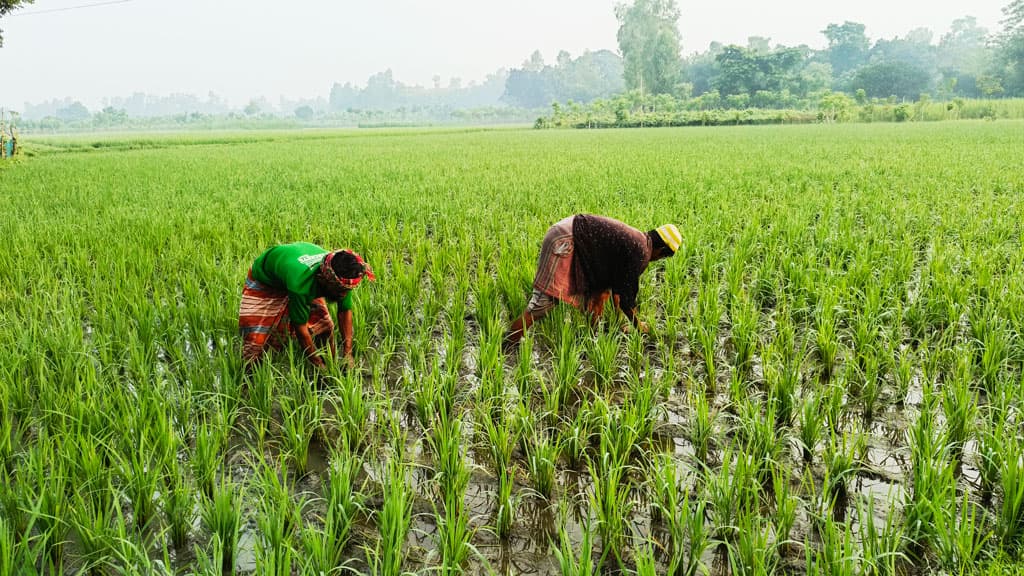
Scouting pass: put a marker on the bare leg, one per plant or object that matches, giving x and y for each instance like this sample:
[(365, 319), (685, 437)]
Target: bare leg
[(595, 306)]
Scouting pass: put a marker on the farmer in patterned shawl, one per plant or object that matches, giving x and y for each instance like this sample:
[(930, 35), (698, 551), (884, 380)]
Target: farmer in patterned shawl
[(287, 290), (585, 259)]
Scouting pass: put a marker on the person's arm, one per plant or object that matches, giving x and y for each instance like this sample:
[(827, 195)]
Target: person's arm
[(306, 340), (625, 301), (345, 319)]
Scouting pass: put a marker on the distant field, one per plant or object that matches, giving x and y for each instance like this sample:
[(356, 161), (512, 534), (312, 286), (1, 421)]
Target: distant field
[(833, 381)]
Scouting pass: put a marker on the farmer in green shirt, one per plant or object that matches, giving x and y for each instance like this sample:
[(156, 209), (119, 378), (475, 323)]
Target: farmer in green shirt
[(287, 289)]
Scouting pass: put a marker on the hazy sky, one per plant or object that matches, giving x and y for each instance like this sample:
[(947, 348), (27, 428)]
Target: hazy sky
[(244, 48)]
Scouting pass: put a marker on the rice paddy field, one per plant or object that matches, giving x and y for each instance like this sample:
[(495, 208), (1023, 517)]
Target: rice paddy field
[(832, 382)]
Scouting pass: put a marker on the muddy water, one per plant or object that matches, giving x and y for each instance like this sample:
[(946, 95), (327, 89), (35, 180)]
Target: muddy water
[(877, 487)]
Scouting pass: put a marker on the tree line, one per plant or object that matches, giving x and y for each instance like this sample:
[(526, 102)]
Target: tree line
[(967, 62)]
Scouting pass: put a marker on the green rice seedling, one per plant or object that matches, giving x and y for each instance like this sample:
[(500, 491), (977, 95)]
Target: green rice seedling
[(454, 533), (990, 457), (959, 405), (637, 352), (567, 364), (278, 518), (261, 402), (222, 516), (140, 473), (8, 442), (673, 508), (863, 335), (751, 554), (447, 391), (961, 538), (903, 374), (507, 503), (228, 401), (324, 548), (300, 420), (760, 440), (745, 317), (541, 454), (455, 343), (611, 502), (425, 398), (642, 409), (619, 431), (14, 505), (1010, 516), (783, 382), (393, 520), (95, 522), (834, 405), (690, 538), (837, 554), (574, 439), (46, 481), (994, 343), (487, 309), (351, 412), (663, 485), (213, 559), (524, 374), (344, 498), (812, 423), (11, 550), (523, 425), (500, 436), (573, 559), (88, 459), (739, 390), (178, 503), (881, 550), (730, 491), (709, 313), (933, 481), (702, 423), (602, 351), (786, 505), (552, 395), (866, 381), (842, 462), (206, 455), (445, 441), (644, 560), (826, 333)]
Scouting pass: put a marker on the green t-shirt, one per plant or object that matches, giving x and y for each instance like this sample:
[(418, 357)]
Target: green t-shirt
[(293, 268)]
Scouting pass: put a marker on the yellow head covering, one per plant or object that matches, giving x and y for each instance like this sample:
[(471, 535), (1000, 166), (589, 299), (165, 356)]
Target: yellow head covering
[(670, 236)]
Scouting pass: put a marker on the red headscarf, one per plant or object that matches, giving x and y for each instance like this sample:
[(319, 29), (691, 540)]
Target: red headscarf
[(346, 283)]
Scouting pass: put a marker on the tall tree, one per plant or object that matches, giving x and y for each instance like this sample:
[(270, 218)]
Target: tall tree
[(1011, 47), (963, 55), (7, 6), (847, 47), (903, 80), (649, 41)]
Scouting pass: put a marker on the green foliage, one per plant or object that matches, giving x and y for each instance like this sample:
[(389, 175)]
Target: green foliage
[(649, 42), (809, 250)]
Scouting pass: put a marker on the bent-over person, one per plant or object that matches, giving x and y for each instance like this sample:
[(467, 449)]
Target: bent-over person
[(585, 259), (286, 292)]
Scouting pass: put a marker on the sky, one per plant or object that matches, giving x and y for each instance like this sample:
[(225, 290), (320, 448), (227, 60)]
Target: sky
[(241, 49)]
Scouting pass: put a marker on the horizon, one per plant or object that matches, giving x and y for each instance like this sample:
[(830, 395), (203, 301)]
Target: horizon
[(316, 48)]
